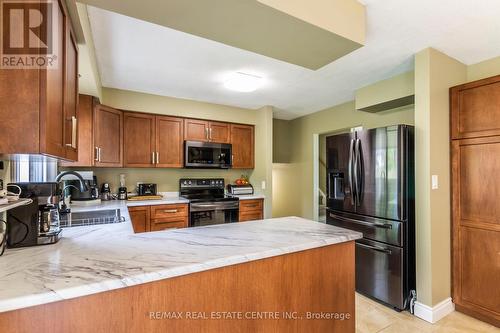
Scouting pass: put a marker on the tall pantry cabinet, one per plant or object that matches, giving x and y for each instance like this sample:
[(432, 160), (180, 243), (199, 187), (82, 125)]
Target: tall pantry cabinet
[(475, 156)]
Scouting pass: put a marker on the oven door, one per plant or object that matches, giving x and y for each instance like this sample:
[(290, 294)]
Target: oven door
[(208, 213)]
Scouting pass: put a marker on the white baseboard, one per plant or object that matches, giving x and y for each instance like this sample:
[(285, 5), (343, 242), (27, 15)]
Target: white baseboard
[(435, 313)]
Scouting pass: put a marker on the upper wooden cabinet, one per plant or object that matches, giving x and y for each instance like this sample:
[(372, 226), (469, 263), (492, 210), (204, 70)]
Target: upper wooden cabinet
[(210, 131), (38, 106), (108, 136), (139, 140), (152, 141), (475, 109), (242, 140), (169, 142)]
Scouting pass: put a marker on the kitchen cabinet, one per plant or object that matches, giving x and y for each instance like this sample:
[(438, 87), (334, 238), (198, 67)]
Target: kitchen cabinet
[(152, 141), (209, 131), (108, 136), (475, 161), (251, 210), (85, 156), (140, 218), (38, 110), (242, 140), (138, 140), (159, 217)]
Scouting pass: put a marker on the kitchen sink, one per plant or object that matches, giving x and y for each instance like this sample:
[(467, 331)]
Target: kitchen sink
[(78, 219)]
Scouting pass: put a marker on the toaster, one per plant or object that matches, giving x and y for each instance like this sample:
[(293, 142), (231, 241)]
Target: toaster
[(239, 189), (146, 189)]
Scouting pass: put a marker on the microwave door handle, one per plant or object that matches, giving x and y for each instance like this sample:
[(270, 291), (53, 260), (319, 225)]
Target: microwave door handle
[(349, 171)]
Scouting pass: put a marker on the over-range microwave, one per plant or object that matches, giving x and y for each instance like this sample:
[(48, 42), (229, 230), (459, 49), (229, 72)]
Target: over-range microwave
[(207, 155)]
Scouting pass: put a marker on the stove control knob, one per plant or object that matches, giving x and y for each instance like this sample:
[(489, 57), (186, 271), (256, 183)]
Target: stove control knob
[(190, 183), (184, 183)]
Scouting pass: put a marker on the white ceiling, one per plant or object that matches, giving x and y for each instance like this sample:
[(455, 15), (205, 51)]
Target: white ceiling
[(141, 56)]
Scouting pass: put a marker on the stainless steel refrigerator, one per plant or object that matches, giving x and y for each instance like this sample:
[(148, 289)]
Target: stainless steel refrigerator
[(370, 180)]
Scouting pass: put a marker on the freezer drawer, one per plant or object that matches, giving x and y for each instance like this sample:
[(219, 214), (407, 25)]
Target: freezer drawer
[(386, 231), (379, 272)]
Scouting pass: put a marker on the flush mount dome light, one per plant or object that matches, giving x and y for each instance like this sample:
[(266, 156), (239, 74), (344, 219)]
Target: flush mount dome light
[(243, 82)]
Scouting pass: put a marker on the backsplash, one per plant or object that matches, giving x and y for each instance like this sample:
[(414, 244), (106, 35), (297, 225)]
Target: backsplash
[(166, 179)]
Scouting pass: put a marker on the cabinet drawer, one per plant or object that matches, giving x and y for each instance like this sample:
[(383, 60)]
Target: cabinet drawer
[(169, 211), (251, 205), (250, 216), (168, 223)]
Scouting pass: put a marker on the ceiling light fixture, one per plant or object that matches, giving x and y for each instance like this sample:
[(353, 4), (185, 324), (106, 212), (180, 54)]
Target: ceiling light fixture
[(243, 82)]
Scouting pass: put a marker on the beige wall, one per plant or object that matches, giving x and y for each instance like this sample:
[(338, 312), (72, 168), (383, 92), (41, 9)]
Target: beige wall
[(435, 73), (281, 141), (483, 69), (167, 179), (294, 181)]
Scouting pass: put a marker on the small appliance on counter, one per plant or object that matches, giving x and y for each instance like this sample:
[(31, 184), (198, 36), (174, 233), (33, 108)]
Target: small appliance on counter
[(244, 189), (106, 192), (122, 190), (146, 189), (38, 222)]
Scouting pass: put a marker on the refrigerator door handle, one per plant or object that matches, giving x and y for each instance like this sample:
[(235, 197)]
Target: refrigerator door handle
[(367, 224), (350, 171), (375, 248), (357, 164)]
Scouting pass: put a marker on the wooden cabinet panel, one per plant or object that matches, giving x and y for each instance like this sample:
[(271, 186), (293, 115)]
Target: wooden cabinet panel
[(52, 101), (169, 211), (85, 133), (195, 130), (162, 224), (71, 97), (475, 109), (219, 132), (480, 250), (140, 218), (138, 139), (169, 142), (242, 140), (108, 136), (476, 227), (251, 210)]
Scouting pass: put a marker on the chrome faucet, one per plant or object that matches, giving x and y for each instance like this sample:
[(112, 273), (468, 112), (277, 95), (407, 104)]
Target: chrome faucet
[(63, 209)]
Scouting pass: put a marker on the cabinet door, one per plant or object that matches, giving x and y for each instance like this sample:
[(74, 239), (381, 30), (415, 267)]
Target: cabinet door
[(52, 94), (169, 142), (219, 132), (476, 227), (71, 96), (140, 218), (242, 140), (108, 136), (85, 132), (475, 109), (138, 140), (195, 130)]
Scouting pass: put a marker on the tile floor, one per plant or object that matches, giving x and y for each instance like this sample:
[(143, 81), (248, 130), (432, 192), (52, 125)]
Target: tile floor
[(371, 317)]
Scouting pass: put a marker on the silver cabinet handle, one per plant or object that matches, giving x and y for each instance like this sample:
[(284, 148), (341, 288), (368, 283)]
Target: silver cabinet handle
[(153, 157), (170, 211), (157, 158), (206, 133), (100, 154), (73, 133), (210, 133), (374, 248), (96, 158)]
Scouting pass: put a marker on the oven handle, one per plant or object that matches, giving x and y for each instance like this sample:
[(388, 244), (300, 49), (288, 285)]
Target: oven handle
[(201, 207)]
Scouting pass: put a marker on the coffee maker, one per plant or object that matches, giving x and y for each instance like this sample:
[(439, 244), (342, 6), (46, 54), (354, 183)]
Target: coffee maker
[(37, 223)]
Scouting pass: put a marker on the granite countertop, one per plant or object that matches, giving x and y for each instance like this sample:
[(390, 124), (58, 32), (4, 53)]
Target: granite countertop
[(92, 259)]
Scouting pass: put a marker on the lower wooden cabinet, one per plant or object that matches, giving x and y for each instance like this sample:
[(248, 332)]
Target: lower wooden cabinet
[(251, 210), (159, 217)]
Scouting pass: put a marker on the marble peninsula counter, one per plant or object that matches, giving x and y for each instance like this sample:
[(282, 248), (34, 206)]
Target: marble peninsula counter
[(96, 259)]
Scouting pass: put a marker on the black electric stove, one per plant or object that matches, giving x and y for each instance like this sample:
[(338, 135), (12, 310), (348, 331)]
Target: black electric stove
[(207, 202)]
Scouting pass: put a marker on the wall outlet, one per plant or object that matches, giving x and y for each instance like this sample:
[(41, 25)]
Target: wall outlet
[(435, 182)]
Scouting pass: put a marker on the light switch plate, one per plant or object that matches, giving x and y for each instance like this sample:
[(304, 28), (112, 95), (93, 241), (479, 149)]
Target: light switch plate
[(263, 185), (435, 182)]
